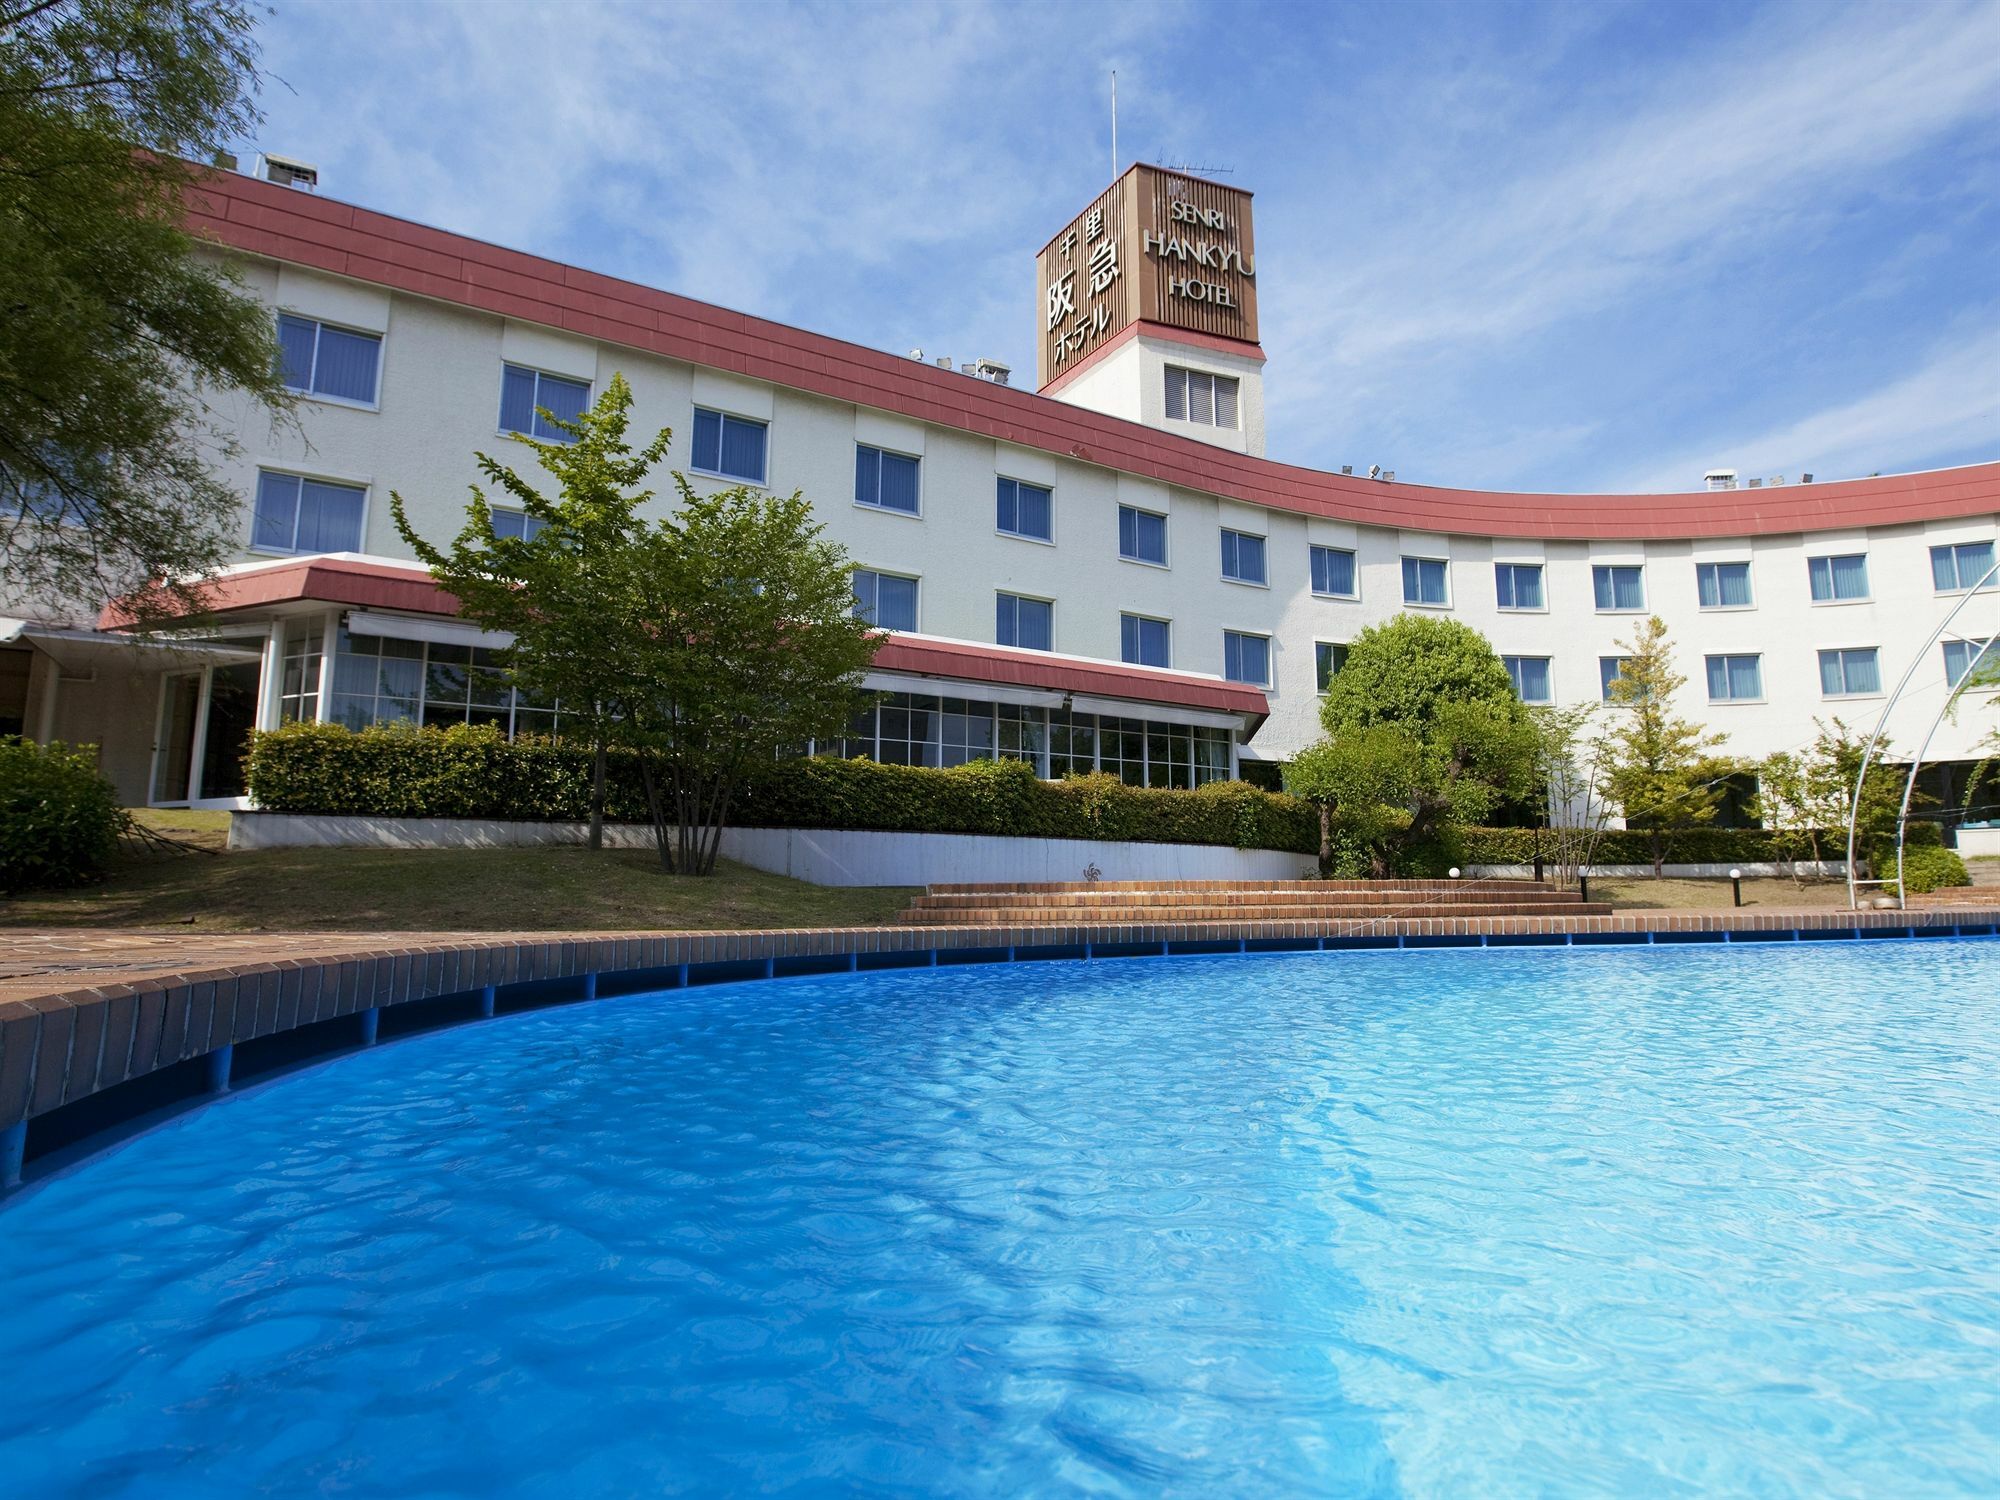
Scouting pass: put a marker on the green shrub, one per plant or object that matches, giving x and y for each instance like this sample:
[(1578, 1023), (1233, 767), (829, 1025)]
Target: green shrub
[(59, 816), (1624, 846), (471, 772), (1929, 869)]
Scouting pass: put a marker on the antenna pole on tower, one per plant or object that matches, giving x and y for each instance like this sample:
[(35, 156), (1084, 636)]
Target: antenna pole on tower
[(1114, 124)]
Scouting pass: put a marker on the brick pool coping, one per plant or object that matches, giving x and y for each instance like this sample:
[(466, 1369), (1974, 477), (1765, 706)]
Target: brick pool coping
[(85, 1012)]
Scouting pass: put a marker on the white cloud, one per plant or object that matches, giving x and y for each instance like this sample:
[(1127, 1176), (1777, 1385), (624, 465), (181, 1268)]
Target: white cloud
[(1950, 405)]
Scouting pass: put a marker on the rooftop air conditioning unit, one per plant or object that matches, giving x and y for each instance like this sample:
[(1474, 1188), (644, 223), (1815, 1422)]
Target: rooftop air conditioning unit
[(993, 370), (287, 172), (1720, 479)]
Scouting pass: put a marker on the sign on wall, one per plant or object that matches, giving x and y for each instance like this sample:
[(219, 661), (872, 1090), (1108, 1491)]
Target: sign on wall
[(1156, 247)]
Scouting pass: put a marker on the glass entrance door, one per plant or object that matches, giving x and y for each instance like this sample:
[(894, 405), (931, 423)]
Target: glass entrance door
[(232, 714), (173, 749)]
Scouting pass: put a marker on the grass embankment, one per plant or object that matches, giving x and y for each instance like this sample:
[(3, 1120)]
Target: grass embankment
[(442, 890), (1646, 894)]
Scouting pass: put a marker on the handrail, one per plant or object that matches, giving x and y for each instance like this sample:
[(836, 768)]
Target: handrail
[(1868, 753)]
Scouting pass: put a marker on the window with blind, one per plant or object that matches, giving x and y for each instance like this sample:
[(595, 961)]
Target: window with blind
[(1851, 672), (525, 395), (730, 447), (885, 599), (338, 364), (296, 514), (1199, 397), (1735, 679), (1531, 678), (1838, 578), (885, 481), (1024, 622), (1333, 572), (1723, 585), (1144, 642), (1619, 586)]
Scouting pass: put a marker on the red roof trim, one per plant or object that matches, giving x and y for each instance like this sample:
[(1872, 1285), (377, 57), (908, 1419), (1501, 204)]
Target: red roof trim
[(261, 218), (363, 585)]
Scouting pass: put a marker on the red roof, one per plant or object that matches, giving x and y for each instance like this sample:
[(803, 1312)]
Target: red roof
[(261, 218), (359, 584)]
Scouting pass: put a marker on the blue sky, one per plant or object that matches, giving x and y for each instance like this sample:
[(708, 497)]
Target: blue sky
[(1569, 247)]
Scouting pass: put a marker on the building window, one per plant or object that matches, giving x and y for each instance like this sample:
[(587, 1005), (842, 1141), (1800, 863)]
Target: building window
[(886, 481), (320, 360), (1424, 581), (1246, 658), (1025, 510), (1843, 577), (380, 680), (1530, 676), (1608, 668), (1145, 642), (730, 447), (1518, 585), (516, 523), (1851, 673), (525, 394), (1197, 396), (295, 514), (1735, 679), (1333, 572), (1958, 566), (1723, 585), (1243, 557), (1328, 659), (1619, 586), (1961, 657), (1142, 536), (1027, 623), (885, 599), (298, 689)]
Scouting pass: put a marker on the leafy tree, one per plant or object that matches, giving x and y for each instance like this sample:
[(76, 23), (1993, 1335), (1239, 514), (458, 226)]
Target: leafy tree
[(556, 591), (1423, 733), (708, 642), (740, 638), (1660, 768), (1569, 764), (125, 350)]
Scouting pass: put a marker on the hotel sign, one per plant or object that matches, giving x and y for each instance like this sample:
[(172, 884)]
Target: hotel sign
[(1155, 247)]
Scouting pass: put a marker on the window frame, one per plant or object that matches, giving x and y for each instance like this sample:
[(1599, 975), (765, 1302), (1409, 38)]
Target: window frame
[(1187, 374), (381, 340), (1977, 650), (304, 478), (1604, 679), (1166, 545), (1714, 567), (1541, 572), (876, 506), (1548, 666), (1167, 627), (1444, 571), (1008, 595), (536, 405), (1322, 681), (1313, 549), (1727, 657), (763, 480), (1615, 608), (879, 574), (1833, 595), (1236, 637), (1842, 653), (514, 510), (1960, 586), (1262, 548), (1023, 536)]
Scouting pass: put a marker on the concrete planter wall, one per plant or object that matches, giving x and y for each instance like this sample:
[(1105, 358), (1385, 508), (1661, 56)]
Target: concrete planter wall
[(821, 856)]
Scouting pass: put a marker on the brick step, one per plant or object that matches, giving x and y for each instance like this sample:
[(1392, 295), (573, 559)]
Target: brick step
[(1051, 887), (1392, 895), (1136, 916)]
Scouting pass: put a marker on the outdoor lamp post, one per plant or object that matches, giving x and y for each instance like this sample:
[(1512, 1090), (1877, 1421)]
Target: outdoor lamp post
[(1736, 885)]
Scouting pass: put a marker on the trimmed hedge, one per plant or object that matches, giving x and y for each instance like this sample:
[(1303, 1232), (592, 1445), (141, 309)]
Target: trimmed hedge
[(1625, 846), (1927, 869), (59, 816), (471, 772)]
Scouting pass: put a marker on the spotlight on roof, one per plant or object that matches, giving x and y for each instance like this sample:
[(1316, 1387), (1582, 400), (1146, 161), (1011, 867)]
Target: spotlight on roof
[(1374, 471), (1347, 468), (1388, 476)]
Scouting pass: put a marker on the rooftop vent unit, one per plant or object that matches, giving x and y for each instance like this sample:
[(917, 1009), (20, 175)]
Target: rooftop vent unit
[(1347, 468), (287, 172), (1720, 479), (993, 370), (943, 361), (917, 354), (1775, 479), (1756, 484), (1388, 476)]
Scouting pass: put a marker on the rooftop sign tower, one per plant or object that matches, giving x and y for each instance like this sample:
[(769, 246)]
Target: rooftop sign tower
[(1147, 307)]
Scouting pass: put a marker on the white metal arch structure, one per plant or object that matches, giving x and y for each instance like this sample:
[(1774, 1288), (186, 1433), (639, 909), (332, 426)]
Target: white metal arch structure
[(1868, 754)]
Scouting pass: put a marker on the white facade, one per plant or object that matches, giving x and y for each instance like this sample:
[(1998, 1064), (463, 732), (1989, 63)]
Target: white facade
[(438, 400)]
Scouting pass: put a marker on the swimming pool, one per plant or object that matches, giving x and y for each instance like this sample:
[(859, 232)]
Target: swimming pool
[(1659, 1221)]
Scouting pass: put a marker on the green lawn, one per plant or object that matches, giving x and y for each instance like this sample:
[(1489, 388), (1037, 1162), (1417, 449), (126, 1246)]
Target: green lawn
[(450, 890), (1646, 894)]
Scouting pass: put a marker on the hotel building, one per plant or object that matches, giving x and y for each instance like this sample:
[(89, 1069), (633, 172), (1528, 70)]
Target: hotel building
[(1107, 572)]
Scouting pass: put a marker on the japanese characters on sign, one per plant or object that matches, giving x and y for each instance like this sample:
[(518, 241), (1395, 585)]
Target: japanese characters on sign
[(1155, 247)]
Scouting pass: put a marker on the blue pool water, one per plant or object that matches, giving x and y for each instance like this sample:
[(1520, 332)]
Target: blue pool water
[(1651, 1222)]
